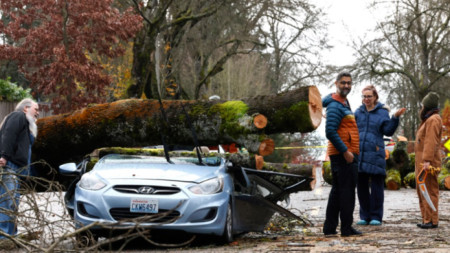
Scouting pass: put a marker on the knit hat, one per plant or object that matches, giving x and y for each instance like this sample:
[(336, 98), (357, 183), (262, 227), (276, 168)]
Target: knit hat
[(431, 100)]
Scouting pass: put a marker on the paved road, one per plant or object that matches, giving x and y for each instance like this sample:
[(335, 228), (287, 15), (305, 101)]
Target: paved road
[(397, 234)]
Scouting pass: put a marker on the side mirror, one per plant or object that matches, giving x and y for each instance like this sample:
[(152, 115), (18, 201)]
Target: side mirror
[(68, 168)]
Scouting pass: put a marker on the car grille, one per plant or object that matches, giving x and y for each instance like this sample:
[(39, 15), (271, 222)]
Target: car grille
[(156, 190), (124, 213)]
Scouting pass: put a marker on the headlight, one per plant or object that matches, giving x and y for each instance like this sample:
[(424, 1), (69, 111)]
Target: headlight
[(210, 186), (90, 182)]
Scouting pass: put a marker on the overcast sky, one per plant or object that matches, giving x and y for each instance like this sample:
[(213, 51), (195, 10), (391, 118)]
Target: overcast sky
[(348, 20)]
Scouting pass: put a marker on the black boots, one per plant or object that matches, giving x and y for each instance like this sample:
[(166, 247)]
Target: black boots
[(427, 225)]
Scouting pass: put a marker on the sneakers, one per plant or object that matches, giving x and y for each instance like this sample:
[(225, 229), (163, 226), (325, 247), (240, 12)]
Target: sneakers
[(372, 222), (351, 232), (362, 222), (375, 223)]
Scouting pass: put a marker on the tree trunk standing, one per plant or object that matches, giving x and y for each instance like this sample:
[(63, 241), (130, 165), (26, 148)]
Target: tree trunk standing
[(137, 122), (143, 69)]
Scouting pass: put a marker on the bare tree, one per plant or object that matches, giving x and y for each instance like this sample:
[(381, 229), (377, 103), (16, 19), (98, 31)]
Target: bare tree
[(295, 36), (411, 57)]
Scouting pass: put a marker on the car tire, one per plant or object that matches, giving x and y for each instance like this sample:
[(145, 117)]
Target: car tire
[(227, 235), (86, 239)]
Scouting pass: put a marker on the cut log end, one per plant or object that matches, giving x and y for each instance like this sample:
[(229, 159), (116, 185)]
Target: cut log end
[(259, 162), (260, 121), (447, 182), (266, 147), (315, 106), (392, 185)]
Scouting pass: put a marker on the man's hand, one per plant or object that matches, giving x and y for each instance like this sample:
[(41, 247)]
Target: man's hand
[(3, 162), (348, 156)]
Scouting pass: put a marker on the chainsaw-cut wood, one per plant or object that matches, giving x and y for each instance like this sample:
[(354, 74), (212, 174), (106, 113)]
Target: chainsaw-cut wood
[(393, 179), (259, 162), (326, 172), (400, 159), (291, 168), (260, 121), (139, 123), (249, 161)]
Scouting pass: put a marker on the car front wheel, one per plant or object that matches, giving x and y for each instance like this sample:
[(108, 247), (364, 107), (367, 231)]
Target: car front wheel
[(227, 235)]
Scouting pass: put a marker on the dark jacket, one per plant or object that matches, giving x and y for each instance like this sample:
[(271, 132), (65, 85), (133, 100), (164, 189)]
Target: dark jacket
[(340, 127), (372, 126), (15, 139)]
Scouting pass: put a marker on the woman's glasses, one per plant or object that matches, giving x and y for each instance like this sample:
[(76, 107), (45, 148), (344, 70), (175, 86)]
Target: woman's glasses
[(366, 96)]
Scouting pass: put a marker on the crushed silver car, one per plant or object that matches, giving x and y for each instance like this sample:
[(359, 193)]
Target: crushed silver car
[(199, 196)]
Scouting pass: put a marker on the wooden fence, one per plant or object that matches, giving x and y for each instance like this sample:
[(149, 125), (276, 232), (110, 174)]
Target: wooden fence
[(7, 107)]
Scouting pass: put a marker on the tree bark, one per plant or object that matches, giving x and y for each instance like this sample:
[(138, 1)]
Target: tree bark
[(137, 123), (326, 172), (252, 162)]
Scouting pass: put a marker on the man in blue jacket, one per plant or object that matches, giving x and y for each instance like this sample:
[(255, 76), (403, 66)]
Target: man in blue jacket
[(17, 133), (343, 149)]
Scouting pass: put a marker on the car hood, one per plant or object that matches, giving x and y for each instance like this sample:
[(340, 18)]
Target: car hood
[(171, 172)]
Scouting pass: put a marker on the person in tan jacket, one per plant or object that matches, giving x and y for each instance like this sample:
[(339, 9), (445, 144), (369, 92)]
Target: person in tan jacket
[(428, 156)]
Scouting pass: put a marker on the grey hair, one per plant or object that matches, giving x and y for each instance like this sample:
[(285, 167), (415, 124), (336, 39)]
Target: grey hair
[(26, 102)]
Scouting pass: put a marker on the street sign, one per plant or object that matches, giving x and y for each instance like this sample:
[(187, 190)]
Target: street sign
[(447, 145)]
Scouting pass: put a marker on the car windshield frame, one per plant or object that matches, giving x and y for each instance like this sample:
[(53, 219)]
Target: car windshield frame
[(177, 160)]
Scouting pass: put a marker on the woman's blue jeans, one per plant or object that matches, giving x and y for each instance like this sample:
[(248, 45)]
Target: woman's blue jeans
[(9, 198)]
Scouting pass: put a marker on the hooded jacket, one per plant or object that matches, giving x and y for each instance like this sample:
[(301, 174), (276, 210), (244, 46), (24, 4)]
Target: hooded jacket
[(372, 126), (340, 128), (428, 141), (15, 139)]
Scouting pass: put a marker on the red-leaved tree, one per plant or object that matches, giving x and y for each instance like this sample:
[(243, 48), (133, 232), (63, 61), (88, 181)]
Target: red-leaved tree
[(51, 39)]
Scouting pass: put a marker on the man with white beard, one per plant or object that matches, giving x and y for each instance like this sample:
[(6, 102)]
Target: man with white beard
[(17, 134)]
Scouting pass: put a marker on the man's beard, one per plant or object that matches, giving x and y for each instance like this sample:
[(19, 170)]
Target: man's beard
[(343, 92), (32, 125)]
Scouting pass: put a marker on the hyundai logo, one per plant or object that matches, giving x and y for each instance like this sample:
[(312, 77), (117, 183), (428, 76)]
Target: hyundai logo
[(146, 190)]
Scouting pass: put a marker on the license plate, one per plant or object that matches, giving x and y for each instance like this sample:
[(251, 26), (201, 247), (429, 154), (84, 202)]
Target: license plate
[(144, 206)]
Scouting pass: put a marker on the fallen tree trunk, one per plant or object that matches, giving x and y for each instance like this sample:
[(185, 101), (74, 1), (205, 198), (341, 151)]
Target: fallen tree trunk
[(137, 123), (252, 162)]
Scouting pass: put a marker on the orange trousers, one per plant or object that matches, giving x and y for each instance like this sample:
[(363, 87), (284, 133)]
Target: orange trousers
[(428, 215)]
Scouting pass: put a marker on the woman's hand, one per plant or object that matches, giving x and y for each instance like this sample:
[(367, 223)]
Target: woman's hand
[(400, 112)]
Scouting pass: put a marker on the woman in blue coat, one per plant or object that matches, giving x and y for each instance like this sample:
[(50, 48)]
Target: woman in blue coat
[(373, 121)]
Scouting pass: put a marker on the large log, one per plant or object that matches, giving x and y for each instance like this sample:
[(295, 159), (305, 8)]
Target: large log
[(393, 179), (250, 161), (399, 159), (326, 172), (137, 123)]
